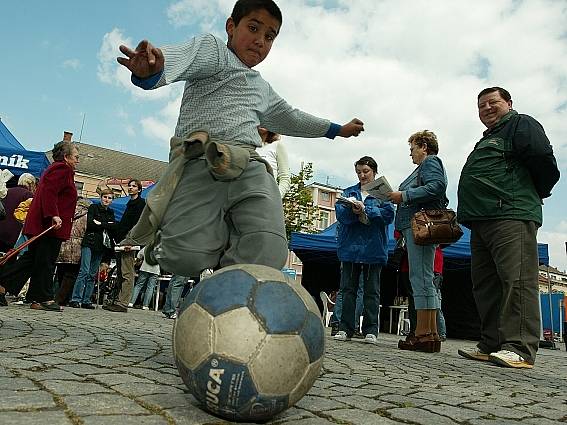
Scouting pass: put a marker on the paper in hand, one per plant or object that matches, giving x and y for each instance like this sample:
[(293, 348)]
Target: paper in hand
[(378, 188)]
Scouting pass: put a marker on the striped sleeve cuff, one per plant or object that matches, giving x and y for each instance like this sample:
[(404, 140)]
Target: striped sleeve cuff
[(146, 83), (333, 130)]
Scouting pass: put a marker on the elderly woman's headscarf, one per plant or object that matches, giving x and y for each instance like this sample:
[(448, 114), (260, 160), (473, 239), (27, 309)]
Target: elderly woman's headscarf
[(5, 175)]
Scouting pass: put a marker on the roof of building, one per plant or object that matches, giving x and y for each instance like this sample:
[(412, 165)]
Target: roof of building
[(99, 161)]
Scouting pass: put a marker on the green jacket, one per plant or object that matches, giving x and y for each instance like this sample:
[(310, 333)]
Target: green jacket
[(509, 172)]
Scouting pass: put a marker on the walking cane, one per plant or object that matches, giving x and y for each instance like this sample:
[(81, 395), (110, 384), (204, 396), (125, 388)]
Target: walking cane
[(15, 251)]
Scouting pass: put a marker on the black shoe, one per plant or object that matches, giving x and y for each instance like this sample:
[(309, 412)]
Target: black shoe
[(74, 304), (358, 335), (334, 328), (88, 306), (115, 308), (3, 302)]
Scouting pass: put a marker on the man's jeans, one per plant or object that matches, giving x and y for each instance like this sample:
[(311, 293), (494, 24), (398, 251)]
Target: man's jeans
[(351, 273), (337, 310), (148, 280), (83, 289), (174, 291)]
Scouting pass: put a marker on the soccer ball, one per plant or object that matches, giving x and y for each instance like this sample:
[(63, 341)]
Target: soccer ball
[(248, 343)]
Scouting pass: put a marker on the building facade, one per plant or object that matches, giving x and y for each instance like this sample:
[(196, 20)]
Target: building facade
[(324, 198)]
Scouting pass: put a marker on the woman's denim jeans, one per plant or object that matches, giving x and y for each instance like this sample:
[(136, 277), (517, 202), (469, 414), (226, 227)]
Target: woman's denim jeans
[(83, 289), (420, 259), (350, 277)]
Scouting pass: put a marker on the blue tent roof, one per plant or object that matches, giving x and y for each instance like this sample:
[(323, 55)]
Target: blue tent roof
[(324, 245), (14, 157), (7, 138)]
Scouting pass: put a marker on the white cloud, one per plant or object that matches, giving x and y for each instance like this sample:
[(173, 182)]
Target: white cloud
[(207, 14), (72, 63), (162, 126)]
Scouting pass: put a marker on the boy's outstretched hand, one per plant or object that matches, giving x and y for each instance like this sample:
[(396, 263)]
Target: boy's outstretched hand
[(143, 62), (352, 128)]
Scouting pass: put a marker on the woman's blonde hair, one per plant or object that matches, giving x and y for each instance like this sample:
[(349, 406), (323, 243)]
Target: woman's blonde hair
[(425, 138), (28, 181)]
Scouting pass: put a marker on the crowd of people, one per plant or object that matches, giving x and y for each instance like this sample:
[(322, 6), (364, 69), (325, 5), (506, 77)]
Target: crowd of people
[(219, 201)]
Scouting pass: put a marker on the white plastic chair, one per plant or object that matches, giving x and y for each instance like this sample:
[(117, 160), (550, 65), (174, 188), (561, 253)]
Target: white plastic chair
[(326, 318), (403, 322)]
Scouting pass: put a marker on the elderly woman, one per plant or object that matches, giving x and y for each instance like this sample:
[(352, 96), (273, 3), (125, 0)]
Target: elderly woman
[(424, 188), (10, 227), (53, 206)]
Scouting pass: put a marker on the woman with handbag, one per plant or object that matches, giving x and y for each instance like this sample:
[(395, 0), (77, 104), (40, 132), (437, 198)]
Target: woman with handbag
[(100, 220), (424, 188)]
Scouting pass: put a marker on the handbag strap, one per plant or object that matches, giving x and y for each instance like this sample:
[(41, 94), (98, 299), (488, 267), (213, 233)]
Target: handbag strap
[(445, 202)]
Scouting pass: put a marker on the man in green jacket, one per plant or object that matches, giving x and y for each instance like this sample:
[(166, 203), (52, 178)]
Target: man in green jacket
[(502, 184)]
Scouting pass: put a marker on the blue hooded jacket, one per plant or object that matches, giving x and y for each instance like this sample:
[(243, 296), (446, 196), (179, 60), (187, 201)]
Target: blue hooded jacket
[(363, 243)]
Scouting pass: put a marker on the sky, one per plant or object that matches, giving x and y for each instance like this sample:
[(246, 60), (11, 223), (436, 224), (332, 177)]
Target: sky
[(400, 66)]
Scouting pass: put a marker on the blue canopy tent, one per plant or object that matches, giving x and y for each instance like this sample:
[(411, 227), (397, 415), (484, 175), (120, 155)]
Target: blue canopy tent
[(14, 157), (323, 246), (321, 271)]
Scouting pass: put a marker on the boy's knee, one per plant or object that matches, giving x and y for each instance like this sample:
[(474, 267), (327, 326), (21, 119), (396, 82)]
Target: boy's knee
[(263, 248)]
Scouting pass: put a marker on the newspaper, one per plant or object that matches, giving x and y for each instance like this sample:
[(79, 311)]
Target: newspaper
[(378, 188), (362, 217), (347, 201)]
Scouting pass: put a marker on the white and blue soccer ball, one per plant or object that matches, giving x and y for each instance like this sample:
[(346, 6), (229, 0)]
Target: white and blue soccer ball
[(248, 342)]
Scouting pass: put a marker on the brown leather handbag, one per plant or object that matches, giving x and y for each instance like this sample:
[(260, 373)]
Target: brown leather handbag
[(435, 227)]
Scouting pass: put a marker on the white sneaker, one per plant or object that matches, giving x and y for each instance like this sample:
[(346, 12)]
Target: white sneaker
[(474, 354), (130, 305), (145, 308), (509, 359), (341, 336), (371, 339)]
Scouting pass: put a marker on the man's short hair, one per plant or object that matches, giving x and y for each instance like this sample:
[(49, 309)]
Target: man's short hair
[(505, 94), (245, 7), (138, 183), (367, 160), (425, 138)]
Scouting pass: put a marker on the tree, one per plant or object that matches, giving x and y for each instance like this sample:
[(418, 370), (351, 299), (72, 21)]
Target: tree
[(299, 211)]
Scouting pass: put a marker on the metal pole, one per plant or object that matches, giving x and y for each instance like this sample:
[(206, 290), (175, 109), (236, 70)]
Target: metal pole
[(549, 290)]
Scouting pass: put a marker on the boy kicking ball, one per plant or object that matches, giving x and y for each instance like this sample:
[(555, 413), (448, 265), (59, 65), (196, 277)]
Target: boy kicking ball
[(217, 203)]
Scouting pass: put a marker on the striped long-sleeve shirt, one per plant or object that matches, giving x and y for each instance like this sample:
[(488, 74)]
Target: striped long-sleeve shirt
[(225, 98)]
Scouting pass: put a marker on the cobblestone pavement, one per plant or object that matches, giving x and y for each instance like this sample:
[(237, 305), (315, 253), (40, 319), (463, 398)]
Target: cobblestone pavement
[(97, 367)]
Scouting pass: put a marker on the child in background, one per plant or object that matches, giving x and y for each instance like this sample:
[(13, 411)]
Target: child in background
[(148, 277)]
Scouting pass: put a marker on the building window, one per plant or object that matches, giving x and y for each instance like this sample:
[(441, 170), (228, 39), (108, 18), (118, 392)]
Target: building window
[(325, 196), (323, 219)]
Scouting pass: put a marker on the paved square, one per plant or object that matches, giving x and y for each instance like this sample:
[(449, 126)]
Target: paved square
[(97, 367)]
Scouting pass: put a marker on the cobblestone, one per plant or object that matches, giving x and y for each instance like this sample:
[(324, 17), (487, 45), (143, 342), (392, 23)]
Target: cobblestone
[(96, 367)]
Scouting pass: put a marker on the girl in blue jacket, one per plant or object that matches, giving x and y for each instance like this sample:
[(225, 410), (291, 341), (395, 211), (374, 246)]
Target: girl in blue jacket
[(362, 248)]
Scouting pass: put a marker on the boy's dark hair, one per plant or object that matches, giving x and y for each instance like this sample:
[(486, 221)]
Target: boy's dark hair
[(505, 94), (138, 183), (367, 160), (244, 7)]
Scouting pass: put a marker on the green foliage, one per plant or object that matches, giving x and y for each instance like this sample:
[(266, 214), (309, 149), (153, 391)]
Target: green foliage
[(299, 211)]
